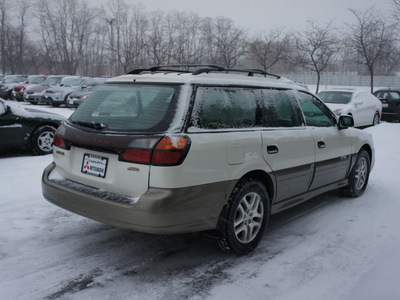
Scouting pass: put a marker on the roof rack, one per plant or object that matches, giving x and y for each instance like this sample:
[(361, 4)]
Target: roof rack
[(184, 68)]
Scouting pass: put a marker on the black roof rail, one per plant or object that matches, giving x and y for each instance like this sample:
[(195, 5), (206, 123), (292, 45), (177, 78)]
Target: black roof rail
[(184, 68), (173, 68)]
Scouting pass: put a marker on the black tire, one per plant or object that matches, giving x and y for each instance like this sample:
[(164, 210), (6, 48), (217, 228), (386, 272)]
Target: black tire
[(249, 208), (359, 175), (55, 104), (375, 121), (42, 140)]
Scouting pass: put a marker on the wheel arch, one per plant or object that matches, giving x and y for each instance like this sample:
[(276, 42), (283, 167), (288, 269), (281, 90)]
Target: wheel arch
[(265, 179), (367, 148)]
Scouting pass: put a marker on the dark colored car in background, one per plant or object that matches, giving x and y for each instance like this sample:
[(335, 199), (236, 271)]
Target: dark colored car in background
[(390, 99), (24, 127)]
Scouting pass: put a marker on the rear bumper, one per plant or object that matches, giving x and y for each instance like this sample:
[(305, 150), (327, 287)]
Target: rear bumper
[(160, 211), (388, 116)]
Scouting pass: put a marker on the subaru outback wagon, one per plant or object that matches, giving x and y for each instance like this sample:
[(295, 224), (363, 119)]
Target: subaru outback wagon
[(178, 149)]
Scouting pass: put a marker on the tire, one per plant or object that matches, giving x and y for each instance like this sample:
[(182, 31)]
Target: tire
[(359, 175), (245, 218), (375, 121), (42, 140), (55, 104)]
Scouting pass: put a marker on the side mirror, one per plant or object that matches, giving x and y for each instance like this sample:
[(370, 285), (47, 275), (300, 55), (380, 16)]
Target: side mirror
[(345, 122)]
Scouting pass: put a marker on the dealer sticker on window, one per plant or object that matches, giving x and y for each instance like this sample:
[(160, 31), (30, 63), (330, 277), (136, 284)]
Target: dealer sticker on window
[(94, 165)]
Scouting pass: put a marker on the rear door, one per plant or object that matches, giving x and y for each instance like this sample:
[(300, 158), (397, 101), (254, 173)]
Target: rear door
[(332, 146), (287, 145)]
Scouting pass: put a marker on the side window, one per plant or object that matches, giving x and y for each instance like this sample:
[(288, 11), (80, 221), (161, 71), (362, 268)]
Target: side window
[(280, 109), (219, 108), (315, 112)]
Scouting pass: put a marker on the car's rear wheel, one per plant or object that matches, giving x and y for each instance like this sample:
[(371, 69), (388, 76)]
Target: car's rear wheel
[(42, 140), (358, 179), (245, 218), (375, 121)]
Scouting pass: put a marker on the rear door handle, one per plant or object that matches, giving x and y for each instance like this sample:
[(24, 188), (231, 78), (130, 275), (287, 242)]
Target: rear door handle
[(321, 144), (272, 149)]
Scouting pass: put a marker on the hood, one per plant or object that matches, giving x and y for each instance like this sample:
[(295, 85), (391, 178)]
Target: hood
[(27, 112), (36, 88), (80, 94)]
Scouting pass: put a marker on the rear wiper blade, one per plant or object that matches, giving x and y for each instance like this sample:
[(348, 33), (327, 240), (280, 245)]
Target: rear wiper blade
[(94, 125)]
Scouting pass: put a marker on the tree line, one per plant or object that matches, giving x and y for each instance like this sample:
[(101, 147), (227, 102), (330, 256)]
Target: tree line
[(70, 37)]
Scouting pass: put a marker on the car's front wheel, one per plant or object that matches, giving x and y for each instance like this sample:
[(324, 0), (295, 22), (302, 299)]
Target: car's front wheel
[(358, 179), (42, 140), (245, 218), (375, 121)]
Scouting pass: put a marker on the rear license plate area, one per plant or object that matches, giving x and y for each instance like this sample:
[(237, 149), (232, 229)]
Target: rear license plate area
[(94, 165)]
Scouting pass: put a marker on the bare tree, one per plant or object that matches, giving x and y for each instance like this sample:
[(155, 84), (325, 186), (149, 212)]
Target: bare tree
[(315, 48), (186, 36), (5, 6), (158, 40), (370, 38), (231, 43), (65, 27), (271, 48)]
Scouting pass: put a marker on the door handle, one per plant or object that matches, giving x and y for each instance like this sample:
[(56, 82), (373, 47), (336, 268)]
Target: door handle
[(321, 144), (272, 149)]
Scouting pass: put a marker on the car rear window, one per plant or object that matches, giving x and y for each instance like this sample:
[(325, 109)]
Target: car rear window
[(128, 107), (335, 97)]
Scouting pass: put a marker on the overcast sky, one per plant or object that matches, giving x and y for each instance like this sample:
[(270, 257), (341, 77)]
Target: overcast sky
[(259, 15)]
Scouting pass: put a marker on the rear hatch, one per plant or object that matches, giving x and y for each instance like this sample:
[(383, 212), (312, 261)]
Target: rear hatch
[(108, 143)]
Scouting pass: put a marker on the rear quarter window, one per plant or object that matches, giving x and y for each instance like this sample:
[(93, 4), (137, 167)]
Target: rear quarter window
[(222, 108)]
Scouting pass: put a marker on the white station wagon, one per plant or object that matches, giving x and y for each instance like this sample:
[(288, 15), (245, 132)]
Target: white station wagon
[(178, 149)]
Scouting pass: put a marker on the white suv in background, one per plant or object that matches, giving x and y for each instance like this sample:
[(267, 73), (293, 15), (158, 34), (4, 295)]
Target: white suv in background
[(179, 149)]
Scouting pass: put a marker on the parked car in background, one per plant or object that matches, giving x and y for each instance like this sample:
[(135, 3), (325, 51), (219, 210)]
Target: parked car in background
[(19, 90), (76, 98), (24, 127), (58, 95), (390, 99), (34, 94), (364, 107), (167, 150), (8, 84)]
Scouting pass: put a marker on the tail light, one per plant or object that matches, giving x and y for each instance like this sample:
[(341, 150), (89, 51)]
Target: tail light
[(169, 151), (59, 138)]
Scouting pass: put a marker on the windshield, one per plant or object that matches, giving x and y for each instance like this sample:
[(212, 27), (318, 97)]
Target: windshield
[(51, 81), (20, 78), (72, 81), (9, 79), (335, 97), (38, 80), (123, 107)]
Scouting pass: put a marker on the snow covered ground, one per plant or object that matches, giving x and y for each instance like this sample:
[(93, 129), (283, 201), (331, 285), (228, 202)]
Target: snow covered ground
[(331, 247)]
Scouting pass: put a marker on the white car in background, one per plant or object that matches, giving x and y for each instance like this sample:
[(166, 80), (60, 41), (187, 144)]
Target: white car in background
[(365, 108)]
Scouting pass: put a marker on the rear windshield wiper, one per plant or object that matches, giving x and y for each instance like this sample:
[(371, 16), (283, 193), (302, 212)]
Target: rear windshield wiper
[(94, 125)]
